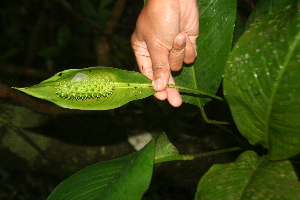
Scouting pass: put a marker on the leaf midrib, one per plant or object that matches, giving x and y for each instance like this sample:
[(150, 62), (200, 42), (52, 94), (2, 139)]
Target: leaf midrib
[(288, 56)]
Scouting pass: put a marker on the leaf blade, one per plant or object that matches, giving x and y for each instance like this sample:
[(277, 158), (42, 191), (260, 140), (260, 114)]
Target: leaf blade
[(261, 9), (124, 178), (249, 177), (130, 86), (261, 83), (217, 19)]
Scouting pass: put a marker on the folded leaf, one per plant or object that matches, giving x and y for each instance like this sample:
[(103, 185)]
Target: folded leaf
[(94, 88), (124, 178)]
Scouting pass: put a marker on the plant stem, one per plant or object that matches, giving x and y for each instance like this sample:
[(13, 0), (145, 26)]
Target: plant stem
[(146, 85), (192, 157), (195, 91)]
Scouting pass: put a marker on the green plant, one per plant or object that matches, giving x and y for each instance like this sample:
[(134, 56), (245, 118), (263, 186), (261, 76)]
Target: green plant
[(262, 89)]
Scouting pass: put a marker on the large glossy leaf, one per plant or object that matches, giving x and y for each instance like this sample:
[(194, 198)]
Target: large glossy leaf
[(125, 178), (250, 177), (94, 88), (217, 18), (261, 9), (262, 82)]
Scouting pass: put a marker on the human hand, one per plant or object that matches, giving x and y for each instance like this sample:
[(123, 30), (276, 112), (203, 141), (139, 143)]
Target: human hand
[(164, 38)]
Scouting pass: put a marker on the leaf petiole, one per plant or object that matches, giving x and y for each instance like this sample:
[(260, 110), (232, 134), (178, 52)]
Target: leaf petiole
[(192, 157), (195, 91), (147, 85)]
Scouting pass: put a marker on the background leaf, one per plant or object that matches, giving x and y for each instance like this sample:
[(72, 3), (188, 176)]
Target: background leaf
[(261, 9), (217, 19), (128, 86), (239, 29), (164, 150), (125, 178), (262, 82), (250, 177)]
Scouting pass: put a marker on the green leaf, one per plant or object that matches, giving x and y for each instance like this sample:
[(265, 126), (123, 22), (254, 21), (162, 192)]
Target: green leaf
[(95, 88), (125, 178), (261, 9), (217, 18), (165, 150), (262, 86), (239, 29), (250, 177)]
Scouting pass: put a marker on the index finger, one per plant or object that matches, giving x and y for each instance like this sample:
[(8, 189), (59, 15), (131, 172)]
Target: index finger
[(142, 56)]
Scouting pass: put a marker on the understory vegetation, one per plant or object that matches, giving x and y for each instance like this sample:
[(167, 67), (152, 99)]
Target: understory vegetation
[(236, 137)]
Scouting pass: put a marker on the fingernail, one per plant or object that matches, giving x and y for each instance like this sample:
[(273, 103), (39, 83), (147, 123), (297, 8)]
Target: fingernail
[(158, 83), (180, 42)]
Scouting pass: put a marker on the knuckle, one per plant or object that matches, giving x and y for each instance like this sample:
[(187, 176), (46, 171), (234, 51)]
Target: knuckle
[(178, 51), (160, 69)]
